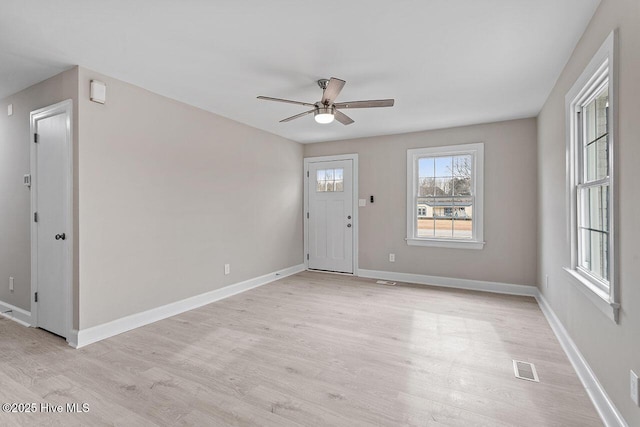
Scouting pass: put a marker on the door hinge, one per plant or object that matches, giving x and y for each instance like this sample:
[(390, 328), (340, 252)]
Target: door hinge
[(307, 174), (307, 215), (35, 217), (35, 297), (307, 257), (35, 138)]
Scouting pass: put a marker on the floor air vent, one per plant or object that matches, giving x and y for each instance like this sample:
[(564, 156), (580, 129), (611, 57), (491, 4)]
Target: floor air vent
[(525, 371)]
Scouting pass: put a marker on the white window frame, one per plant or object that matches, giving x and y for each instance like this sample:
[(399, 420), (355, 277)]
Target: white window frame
[(476, 150), (601, 70)]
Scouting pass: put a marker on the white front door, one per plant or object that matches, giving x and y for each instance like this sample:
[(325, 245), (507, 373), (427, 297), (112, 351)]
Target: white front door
[(330, 221), (50, 199)]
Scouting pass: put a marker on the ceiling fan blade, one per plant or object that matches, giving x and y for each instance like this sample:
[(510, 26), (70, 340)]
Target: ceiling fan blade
[(297, 116), (343, 118), (268, 98), (366, 104), (332, 91)]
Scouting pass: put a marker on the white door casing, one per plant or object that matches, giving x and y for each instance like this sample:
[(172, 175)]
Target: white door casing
[(331, 213), (52, 225)]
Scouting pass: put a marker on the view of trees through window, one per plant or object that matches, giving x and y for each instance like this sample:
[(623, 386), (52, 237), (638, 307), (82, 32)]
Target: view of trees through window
[(329, 180), (445, 198)]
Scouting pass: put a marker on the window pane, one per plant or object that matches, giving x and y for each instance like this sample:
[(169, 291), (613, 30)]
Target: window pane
[(329, 174), (444, 166), (338, 174), (426, 167), (602, 157), (596, 160), (425, 227), (329, 185), (424, 223), (462, 228), (338, 186), (465, 202), (598, 254), (594, 256), (444, 186), (426, 186), (320, 175), (462, 166), (595, 116), (584, 248), (440, 206), (596, 208), (462, 186), (321, 186), (589, 112), (601, 104), (444, 227)]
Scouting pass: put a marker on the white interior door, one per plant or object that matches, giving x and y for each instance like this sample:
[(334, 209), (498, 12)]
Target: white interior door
[(330, 222), (52, 238)]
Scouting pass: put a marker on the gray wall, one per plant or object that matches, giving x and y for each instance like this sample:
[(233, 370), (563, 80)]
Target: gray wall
[(611, 350), (509, 255), (169, 193), (15, 198)]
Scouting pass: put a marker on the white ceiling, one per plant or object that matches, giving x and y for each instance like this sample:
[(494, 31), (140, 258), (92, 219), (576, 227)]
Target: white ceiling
[(447, 63)]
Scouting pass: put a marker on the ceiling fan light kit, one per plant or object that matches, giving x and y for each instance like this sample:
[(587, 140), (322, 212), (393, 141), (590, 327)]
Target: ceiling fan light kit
[(326, 110), (324, 115)]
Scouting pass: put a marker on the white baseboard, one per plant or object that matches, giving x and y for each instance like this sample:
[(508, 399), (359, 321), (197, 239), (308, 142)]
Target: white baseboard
[(605, 407), (88, 336), (16, 314), (72, 339), (447, 282)]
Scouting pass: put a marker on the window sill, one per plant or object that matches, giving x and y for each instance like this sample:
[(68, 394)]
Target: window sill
[(596, 295), (452, 244)]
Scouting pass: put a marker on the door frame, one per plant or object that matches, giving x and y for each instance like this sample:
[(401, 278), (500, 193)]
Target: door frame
[(64, 107), (307, 160)]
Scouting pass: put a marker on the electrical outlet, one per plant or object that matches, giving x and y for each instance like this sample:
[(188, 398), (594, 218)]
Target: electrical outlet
[(392, 257), (11, 284), (227, 269), (635, 384)]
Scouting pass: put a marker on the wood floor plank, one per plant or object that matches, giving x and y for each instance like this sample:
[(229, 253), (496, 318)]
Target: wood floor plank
[(310, 349)]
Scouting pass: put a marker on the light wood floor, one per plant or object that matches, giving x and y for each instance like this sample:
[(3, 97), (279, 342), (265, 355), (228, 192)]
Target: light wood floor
[(311, 349)]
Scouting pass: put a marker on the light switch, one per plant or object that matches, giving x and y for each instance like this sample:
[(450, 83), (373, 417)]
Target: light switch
[(10, 110)]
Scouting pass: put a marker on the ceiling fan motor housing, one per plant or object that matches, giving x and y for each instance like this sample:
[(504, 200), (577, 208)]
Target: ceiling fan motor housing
[(323, 83)]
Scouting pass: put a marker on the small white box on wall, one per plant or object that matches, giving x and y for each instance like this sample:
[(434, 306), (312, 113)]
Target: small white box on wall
[(98, 91)]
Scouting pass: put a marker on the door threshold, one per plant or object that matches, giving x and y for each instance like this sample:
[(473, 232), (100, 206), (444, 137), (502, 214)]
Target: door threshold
[(340, 273)]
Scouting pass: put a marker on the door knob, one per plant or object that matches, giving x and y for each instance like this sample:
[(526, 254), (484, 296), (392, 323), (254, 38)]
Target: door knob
[(60, 236), (349, 225), (349, 217)]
